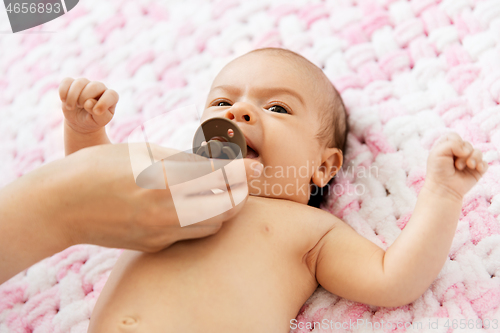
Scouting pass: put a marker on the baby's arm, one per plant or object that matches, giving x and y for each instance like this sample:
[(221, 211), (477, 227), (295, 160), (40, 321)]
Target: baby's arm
[(87, 107), (350, 266)]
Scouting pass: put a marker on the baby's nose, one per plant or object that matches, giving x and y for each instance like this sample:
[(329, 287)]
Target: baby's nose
[(241, 112)]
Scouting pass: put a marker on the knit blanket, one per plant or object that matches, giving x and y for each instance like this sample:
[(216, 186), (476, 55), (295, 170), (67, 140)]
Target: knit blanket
[(408, 71)]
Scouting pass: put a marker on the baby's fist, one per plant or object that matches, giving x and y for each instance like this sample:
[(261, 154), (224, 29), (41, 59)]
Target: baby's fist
[(87, 106), (454, 166)]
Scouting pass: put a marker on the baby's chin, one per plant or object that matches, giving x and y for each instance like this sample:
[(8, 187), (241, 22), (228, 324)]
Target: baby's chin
[(267, 188)]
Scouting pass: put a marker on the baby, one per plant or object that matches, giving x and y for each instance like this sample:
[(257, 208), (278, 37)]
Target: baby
[(255, 274)]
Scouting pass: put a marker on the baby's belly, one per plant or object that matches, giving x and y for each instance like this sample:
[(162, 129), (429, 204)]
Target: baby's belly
[(249, 277)]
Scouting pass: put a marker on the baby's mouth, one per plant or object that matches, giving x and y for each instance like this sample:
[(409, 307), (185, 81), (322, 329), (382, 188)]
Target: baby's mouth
[(251, 153)]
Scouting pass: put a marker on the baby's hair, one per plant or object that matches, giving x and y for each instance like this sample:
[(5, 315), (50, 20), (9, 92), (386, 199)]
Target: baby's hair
[(333, 116)]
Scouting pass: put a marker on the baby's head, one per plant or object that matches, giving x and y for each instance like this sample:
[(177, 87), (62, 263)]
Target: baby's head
[(291, 115)]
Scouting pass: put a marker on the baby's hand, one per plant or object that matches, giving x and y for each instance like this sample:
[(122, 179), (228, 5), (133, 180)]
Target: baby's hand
[(87, 106), (454, 166)]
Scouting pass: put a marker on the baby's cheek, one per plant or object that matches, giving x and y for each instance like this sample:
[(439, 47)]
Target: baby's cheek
[(204, 115)]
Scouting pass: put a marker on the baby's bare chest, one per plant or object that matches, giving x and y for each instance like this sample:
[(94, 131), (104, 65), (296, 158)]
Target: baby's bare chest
[(254, 267)]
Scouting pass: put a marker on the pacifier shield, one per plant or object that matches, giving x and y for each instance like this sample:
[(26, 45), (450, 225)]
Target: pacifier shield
[(222, 137)]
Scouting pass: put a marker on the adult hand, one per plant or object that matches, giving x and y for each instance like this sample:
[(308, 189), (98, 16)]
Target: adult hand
[(91, 197)]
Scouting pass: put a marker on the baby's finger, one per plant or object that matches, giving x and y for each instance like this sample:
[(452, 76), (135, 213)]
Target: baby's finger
[(453, 136), (93, 90), (452, 146), (74, 92), (89, 105), (64, 88), (482, 167), (101, 119), (461, 160), (475, 158), (107, 102)]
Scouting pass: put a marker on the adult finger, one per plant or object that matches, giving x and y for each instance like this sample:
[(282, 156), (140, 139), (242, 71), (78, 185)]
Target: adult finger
[(211, 211), (192, 178), (196, 209), (212, 173)]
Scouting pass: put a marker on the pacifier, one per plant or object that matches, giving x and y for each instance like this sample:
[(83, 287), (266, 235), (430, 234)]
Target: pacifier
[(219, 138)]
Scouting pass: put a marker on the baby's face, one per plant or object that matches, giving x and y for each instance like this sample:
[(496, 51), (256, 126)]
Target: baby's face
[(275, 103)]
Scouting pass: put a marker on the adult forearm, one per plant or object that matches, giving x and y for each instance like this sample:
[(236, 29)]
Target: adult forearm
[(27, 232), (417, 256), (74, 141)]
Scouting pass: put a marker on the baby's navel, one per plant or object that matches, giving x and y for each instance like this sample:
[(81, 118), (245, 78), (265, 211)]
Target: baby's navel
[(128, 323)]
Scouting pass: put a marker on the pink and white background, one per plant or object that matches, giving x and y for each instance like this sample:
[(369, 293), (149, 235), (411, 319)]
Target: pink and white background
[(409, 71)]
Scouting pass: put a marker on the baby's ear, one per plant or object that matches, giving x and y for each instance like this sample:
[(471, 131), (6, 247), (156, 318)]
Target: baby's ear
[(331, 162)]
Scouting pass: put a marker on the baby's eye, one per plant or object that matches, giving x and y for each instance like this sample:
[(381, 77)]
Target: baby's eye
[(221, 103), (278, 108)]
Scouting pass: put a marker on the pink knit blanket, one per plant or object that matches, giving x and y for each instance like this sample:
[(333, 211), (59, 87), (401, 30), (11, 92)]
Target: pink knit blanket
[(409, 71)]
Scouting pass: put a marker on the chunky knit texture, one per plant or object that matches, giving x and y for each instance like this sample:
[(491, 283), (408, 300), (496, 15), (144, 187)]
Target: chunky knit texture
[(409, 71)]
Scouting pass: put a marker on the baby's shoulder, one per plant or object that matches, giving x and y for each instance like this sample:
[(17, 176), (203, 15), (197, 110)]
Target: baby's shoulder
[(300, 227)]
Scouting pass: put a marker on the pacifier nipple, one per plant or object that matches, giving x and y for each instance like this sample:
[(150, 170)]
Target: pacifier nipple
[(214, 149), (219, 138)]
